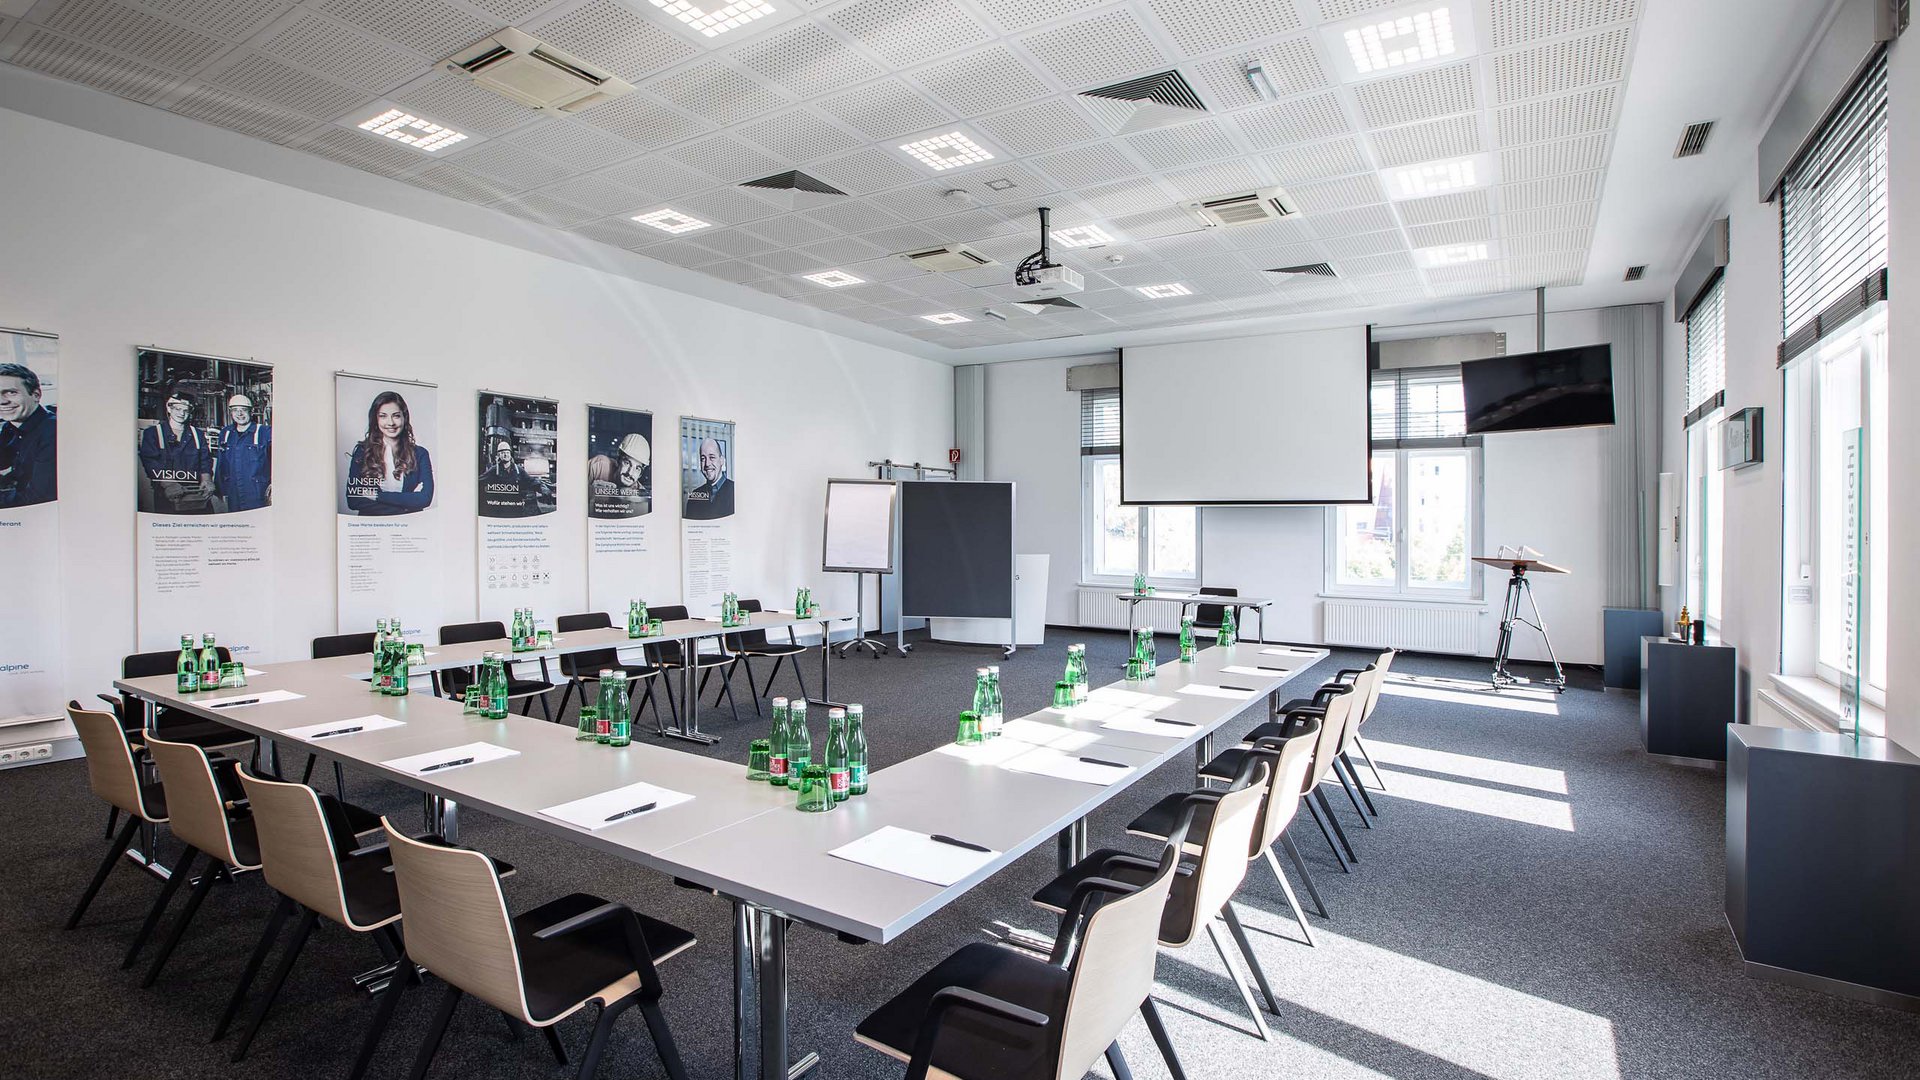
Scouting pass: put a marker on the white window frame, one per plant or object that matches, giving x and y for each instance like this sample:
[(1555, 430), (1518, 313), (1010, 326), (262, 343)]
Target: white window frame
[(1402, 589), (1089, 503)]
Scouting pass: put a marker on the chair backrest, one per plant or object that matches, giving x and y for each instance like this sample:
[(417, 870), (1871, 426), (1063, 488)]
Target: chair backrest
[(1289, 764), (1381, 667), (590, 663), (343, 645), (460, 633), (457, 921), (146, 665), (746, 639), (1366, 691), (296, 846), (667, 652), (110, 769), (1326, 744), (1223, 866), (1113, 970), (196, 807), (1209, 616)]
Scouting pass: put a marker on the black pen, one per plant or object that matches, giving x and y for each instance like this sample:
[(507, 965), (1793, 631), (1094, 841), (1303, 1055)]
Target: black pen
[(336, 731), (632, 812), (448, 764), (1109, 764), (1244, 689), (1182, 723), (939, 839), (231, 704), (1264, 667)]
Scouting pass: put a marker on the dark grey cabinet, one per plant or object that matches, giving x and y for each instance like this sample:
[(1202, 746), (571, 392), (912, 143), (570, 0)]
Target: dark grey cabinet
[(1688, 696)]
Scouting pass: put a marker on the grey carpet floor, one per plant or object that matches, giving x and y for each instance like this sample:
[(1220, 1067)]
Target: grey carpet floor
[(1537, 900)]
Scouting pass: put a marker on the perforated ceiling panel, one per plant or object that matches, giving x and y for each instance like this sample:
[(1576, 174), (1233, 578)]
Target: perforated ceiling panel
[(724, 157), (1410, 145), (798, 135), (268, 79), (1036, 129), (1553, 118), (572, 144), (1291, 66), (908, 32), (599, 194), (807, 60), (244, 115), (865, 171), (1516, 22), (1201, 26), (507, 164), (981, 81), (51, 54), (140, 36), (1020, 14), (1423, 95), (320, 44), (353, 148), (449, 179), (233, 20), (1562, 65), (1553, 158), (1301, 120), (1187, 144), (425, 26), (616, 38), (1105, 48), (450, 99), (719, 92), (885, 110), (644, 123), (1316, 161)]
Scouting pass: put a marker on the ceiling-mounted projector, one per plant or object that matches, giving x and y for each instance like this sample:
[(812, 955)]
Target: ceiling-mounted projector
[(1038, 275)]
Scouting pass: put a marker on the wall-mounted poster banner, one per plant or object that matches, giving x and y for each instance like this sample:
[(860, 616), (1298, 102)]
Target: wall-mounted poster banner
[(622, 563), (706, 513), (387, 529), (29, 525), (519, 561), (204, 532)]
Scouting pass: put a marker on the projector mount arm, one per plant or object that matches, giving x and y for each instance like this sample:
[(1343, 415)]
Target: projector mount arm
[(1027, 273)]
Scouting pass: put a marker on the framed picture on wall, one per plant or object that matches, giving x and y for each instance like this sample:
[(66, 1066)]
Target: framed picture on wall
[(1740, 439)]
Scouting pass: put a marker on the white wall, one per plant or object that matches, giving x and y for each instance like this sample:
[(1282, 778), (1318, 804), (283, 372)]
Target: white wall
[(1543, 489), (113, 245)]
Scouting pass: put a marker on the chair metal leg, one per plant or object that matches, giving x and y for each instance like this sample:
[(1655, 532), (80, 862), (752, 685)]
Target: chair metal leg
[(339, 781), (1239, 983), (279, 919), (1333, 823), (602, 1028), (1314, 812), (1293, 902), (1354, 772), (1378, 780), (673, 707), (113, 819), (753, 685), (566, 695), (383, 1010), (1253, 962), (1160, 1039), (553, 1043), (798, 677), (204, 886), (1118, 1063), (1300, 864), (442, 1016), (306, 774), (663, 1043), (106, 867), (1341, 776), (726, 683), (300, 932), (182, 870)]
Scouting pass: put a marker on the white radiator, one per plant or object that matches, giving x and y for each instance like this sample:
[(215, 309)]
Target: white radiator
[(1379, 624), (1100, 608)]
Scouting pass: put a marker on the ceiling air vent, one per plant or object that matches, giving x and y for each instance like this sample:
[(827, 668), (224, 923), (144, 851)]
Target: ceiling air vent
[(1250, 208), (1305, 269), (1150, 101), (533, 73), (943, 260), (795, 190), (1039, 305), (1694, 139), (1635, 273)]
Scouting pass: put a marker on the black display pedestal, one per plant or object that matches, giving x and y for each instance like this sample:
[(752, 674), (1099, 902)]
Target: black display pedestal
[(1620, 632), (1688, 696), (1823, 862)]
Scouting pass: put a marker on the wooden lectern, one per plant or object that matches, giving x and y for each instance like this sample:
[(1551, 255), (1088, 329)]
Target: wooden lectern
[(1517, 585)]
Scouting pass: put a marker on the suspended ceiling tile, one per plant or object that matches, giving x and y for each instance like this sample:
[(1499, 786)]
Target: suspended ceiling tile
[(1450, 232), (1455, 136), (865, 171), (885, 110), (449, 179), (1186, 144), (1451, 207), (806, 60), (1015, 15), (572, 143), (1552, 191), (1292, 66), (1517, 22), (599, 194), (508, 164), (980, 82), (1559, 66), (1037, 129), (1317, 161), (608, 34), (1540, 160), (1204, 26), (363, 151), (267, 79), (908, 32), (1421, 95), (661, 179), (798, 135), (1557, 117), (214, 106), (1102, 49), (232, 20), (724, 157), (643, 122), (137, 35), (431, 27), (463, 106), (320, 44), (1302, 120), (718, 91), (64, 58), (1086, 165)]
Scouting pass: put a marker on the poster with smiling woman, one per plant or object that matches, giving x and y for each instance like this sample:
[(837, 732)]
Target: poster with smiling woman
[(387, 524)]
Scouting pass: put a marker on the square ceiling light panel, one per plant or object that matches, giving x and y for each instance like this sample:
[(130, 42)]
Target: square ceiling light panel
[(672, 221), (946, 150), (1401, 39), (407, 129), (1163, 292), (946, 318), (834, 279), (724, 21), (1080, 236), (1433, 258), (1442, 177)]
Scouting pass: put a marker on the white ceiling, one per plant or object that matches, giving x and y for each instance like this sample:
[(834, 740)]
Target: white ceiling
[(832, 87)]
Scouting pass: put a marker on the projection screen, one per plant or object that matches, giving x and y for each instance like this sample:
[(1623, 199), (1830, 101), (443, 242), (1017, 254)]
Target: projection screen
[(1276, 419)]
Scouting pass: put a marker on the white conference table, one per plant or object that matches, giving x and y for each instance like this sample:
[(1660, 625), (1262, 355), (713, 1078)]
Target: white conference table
[(1187, 600), (745, 841)]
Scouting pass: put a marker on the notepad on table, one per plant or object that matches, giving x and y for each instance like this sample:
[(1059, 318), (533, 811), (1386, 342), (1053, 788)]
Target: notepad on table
[(915, 855), (243, 699), (1252, 672), (612, 807), (358, 725), (1199, 690), (1149, 725), (1042, 762), (1283, 651), (434, 762)]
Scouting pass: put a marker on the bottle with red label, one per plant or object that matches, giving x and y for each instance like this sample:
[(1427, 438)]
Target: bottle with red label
[(777, 761), (839, 766)]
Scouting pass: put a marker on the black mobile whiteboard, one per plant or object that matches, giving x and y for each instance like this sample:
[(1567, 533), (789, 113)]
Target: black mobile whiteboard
[(858, 536), (956, 549)]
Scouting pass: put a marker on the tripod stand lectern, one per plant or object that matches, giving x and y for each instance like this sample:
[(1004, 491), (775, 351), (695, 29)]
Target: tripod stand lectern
[(1518, 585)]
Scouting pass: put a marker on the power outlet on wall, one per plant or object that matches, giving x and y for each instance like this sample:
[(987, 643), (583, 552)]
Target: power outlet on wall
[(21, 755)]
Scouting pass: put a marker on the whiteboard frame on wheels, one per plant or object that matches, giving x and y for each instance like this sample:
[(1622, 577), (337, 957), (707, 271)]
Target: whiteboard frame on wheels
[(845, 536)]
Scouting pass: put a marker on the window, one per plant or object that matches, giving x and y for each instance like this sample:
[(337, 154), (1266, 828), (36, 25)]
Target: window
[(1704, 495), (1417, 537), (1162, 542)]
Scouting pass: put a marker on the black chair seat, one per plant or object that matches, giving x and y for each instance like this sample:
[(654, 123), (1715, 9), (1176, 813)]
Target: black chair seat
[(561, 972), (1158, 820), (373, 899), (1175, 919), (154, 798), (526, 687), (1305, 705), (176, 726), (703, 660), (1226, 764), (973, 1043), (246, 842), (774, 649)]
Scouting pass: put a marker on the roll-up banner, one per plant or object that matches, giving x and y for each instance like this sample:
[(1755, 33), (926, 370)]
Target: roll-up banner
[(706, 513), (519, 562), (624, 562), (203, 438), (387, 523), (30, 525)]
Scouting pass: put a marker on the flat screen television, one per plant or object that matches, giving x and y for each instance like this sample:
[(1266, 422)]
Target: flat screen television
[(1558, 388)]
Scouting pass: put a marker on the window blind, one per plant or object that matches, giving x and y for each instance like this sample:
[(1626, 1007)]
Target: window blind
[(1706, 355), (1100, 421), (1833, 217), (1419, 407)]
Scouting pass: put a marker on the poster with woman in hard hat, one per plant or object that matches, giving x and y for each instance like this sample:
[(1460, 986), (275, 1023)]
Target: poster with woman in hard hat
[(619, 463)]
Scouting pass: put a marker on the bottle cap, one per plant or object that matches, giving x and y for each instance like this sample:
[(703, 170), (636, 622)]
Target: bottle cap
[(779, 703), (618, 675), (980, 671), (856, 709), (799, 705), (993, 669), (836, 714)]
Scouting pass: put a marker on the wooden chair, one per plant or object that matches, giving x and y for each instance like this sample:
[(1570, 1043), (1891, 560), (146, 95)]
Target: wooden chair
[(209, 814), (1382, 669), (525, 691), (1288, 760), (748, 644), (582, 668), (1203, 888), (1363, 684), (671, 656), (136, 718), (992, 1011), (113, 772), (538, 967)]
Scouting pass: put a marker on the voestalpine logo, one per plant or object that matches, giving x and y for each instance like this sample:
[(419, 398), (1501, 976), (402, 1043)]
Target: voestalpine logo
[(5, 668)]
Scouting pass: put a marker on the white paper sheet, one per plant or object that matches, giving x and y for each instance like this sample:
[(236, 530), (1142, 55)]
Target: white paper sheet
[(1131, 699), (1043, 762), (244, 699), (915, 855), (1198, 690), (592, 812), (1253, 672), (480, 752), (1288, 652), (1147, 725), (364, 723), (253, 673), (1035, 733)]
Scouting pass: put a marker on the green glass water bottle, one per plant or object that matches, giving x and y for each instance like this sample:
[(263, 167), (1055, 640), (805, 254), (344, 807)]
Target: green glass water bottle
[(589, 724), (620, 724), (856, 750), (1139, 584), (634, 622), (996, 716), (839, 773), (498, 697), (982, 706), (1225, 637), (209, 664), (186, 668), (1079, 656), (778, 767), (1186, 639), (799, 740), (1143, 648)]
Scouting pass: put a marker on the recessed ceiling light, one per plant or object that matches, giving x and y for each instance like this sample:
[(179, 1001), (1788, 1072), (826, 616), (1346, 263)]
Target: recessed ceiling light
[(1386, 42), (834, 279), (720, 19), (946, 318), (949, 151), (406, 128), (1161, 292), (671, 221), (1082, 236), (1450, 254), (1438, 177)]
